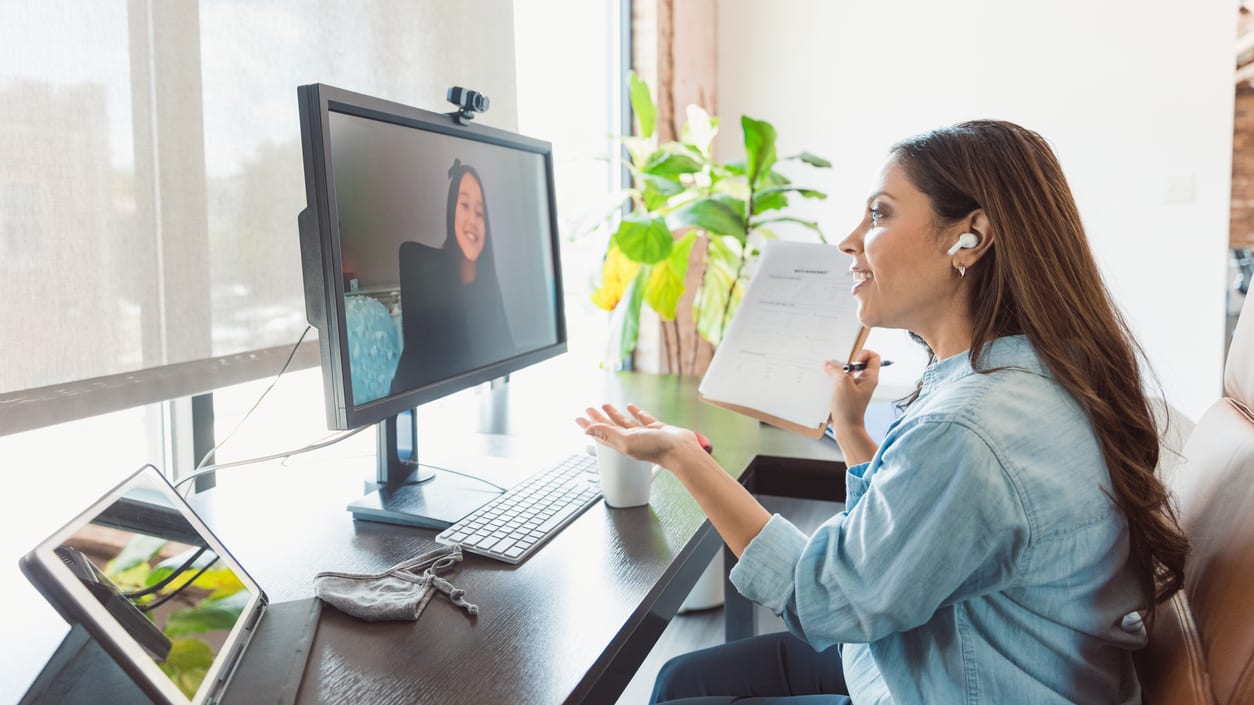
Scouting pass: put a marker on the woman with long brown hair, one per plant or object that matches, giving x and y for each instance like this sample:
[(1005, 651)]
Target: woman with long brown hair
[(1000, 543)]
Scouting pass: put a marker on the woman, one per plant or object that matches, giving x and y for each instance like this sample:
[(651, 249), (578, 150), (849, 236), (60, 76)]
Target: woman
[(998, 544), (452, 313)]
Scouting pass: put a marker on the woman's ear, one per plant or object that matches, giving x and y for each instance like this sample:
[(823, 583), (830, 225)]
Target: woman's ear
[(977, 224)]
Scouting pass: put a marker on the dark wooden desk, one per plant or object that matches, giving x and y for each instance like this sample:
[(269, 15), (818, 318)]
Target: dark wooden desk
[(570, 625)]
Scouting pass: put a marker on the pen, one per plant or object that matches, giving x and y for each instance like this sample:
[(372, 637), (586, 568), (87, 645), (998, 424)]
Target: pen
[(859, 366)]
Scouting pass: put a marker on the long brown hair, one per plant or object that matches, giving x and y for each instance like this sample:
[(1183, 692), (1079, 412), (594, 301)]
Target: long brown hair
[(1039, 279)]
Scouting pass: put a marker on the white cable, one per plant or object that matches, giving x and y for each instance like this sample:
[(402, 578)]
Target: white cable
[(287, 454), (255, 404)]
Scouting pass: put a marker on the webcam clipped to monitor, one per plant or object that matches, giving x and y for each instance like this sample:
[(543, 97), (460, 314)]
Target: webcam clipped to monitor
[(430, 253)]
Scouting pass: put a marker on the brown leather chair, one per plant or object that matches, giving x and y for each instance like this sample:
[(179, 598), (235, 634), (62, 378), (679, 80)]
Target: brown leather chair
[(1201, 648)]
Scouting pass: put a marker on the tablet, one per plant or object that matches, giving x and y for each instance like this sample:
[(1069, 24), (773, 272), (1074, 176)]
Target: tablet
[(154, 587)]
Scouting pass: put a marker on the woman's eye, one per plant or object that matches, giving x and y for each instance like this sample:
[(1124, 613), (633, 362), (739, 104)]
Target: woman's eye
[(876, 216)]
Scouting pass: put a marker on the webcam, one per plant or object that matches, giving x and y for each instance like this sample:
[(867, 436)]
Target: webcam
[(468, 103)]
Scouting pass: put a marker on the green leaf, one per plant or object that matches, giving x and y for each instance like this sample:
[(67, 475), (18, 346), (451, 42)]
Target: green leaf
[(713, 314), (739, 167), (812, 160), (769, 200), (658, 190), (666, 282), (207, 615), (631, 316), (724, 252), (670, 162), (759, 147), (644, 239), (723, 279), (187, 663), (642, 105), (804, 223), (772, 179), (138, 550), (803, 192), (718, 214)]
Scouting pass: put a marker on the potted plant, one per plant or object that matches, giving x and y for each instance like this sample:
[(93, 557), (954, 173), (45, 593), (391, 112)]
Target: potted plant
[(681, 198)]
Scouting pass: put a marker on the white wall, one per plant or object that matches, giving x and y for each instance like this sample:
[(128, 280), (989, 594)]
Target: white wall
[(1132, 94)]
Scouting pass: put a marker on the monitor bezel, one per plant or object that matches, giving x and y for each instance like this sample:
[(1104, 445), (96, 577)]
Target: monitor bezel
[(321, 251)]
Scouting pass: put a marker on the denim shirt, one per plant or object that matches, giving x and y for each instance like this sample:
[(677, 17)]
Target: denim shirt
[(979, 558)]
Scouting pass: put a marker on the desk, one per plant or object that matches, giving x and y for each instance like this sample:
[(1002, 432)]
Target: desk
[(570, 625)]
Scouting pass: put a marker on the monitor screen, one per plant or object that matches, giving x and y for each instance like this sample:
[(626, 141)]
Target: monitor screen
[(438, 250)]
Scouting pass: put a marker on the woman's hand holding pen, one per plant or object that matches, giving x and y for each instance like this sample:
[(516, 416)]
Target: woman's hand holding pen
[(851, 394)]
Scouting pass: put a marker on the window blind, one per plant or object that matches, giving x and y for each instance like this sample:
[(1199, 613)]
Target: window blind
[(152, 175)]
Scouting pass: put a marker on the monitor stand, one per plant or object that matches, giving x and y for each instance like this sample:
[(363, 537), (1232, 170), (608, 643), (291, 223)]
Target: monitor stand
[(412, 495)]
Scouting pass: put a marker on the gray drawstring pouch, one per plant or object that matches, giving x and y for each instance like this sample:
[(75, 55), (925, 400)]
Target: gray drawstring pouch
[(398, 593)]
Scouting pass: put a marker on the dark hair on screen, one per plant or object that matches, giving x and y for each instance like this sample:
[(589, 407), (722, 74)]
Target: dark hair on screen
[(1040, 279)]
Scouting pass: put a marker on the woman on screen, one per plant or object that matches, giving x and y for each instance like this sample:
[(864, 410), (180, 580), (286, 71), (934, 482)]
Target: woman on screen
[(1001, 542), (452, 312)]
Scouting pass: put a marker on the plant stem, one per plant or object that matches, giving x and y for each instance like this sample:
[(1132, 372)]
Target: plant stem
[(666, 346), (679, 347), (744, 256), (696, 333)]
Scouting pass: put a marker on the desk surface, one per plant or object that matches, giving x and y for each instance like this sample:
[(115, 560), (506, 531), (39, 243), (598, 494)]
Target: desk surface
[(568, 625)]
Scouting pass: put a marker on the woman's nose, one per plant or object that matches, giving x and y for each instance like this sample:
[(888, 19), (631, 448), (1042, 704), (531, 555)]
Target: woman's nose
[(852, 244)]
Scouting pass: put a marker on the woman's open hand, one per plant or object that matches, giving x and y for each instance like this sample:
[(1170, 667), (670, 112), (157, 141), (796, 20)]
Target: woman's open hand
[(638, 434)]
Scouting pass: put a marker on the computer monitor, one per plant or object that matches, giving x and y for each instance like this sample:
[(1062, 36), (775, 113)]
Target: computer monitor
[(430, 258)]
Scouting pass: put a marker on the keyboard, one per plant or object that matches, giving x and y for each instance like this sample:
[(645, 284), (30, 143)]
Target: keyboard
[(515, 524)]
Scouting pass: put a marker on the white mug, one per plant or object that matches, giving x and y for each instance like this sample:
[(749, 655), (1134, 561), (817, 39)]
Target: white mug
[(625, 481)]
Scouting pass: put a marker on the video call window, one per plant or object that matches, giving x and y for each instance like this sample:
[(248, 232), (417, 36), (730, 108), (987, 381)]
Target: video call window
[(446, 253)]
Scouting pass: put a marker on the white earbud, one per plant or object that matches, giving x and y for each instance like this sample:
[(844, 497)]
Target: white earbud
[(965, 242)]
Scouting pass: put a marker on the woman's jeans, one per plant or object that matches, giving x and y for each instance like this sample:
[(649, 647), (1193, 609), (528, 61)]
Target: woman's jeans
[(773, 669)]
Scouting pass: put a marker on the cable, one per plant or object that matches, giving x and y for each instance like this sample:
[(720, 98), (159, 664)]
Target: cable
[(286, 454), (466, 475), (256, 403), (166, 597), (166, 580)]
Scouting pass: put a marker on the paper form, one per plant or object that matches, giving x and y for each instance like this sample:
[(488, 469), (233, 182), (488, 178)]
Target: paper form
[(797, 312)]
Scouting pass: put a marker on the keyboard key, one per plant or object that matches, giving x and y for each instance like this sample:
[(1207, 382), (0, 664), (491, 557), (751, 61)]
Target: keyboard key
[(557, 518)]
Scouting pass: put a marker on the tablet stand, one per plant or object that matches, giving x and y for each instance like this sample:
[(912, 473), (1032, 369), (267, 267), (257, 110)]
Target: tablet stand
[(81, 672)]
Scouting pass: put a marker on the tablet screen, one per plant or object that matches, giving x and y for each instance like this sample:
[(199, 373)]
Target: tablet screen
[(153, 586)]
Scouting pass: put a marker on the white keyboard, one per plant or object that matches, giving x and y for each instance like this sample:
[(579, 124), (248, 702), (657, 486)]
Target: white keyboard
[(514, 525)]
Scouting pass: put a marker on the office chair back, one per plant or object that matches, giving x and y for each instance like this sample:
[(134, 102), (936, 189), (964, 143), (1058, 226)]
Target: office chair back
[(1201, 648)]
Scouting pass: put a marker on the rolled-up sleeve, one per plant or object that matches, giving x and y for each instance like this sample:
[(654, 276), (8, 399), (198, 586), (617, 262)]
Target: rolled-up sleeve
[(766, 572), (940, 518)]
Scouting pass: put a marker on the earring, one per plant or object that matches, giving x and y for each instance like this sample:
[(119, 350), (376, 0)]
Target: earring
[(962, 270)]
